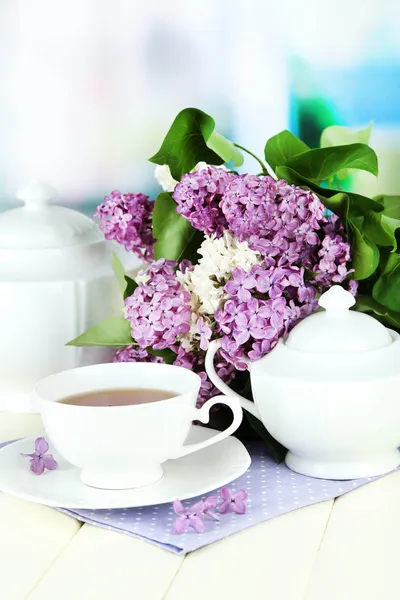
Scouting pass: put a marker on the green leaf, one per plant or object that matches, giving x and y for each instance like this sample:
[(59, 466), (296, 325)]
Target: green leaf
[(131, 286), (119, 272), (369, 305), (381, 230), (386, 290), (127, 285), (357, 205), (176, 238), (391, 205), (337, 135), (186, 143), (168, 355), (114, 331), (225, 149), (321, 164), (384, 229), (365, 254), (282, 147)]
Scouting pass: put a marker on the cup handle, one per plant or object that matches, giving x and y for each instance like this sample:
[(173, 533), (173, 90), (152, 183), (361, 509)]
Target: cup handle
[(219, 384), (203, 414)]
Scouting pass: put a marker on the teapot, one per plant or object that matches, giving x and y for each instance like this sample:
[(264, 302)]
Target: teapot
[(56, 281), (328, 392)]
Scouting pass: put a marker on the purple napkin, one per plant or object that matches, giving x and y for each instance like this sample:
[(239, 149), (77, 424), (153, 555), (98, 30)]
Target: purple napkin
[(273, 490)]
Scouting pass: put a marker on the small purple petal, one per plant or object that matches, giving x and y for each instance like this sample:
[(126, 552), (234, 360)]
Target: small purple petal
[(241, 495), (225, 507), (211, 514), (211, 502), (41, 446), (179, 508), (243, 294), (196, 508), (239, 507), (226, 494), (49, 462), (37, 466), (197, 523), (180, 525), (33, 455)]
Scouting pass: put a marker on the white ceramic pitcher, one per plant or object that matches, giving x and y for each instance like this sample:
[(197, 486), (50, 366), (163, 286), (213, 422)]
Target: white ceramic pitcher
[(56, 281)]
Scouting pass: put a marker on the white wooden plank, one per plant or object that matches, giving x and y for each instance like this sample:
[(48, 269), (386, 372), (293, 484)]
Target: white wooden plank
[(32, 537), (17, 425), (271, 560), (359, 557), (101, 564)]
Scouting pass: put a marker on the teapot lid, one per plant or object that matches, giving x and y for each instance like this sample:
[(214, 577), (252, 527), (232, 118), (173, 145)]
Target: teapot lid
[(336, 329), (37, 225)]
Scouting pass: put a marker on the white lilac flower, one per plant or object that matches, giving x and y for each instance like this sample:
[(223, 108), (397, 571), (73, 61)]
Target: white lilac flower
[(142, 276), (206, 280), (164, 178), (221, 255)]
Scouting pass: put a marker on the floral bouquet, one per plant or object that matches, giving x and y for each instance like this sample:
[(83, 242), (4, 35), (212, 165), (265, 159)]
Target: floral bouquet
[(243, 257)]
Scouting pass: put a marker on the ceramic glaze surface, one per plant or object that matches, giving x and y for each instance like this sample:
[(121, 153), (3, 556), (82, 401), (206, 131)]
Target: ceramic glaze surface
[(184, 477), (121, 447), (329, 392), (56, 281)]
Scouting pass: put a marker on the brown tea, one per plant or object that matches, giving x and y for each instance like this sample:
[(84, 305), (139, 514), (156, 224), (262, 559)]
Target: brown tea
[(123, 397)]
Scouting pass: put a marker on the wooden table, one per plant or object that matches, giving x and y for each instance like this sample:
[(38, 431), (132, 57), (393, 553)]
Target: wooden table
[(343, 550)]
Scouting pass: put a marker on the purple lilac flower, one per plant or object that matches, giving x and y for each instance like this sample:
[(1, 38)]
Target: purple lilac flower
[(186, 359), (333, 254), (353, 286), (209, 504), (248, 206), (40, 460), (195, 362), (192, 517), (135, 354), (126, 218), (303, 251), (241, 284), (204, 332), (198, 196), (287, 225), (232, 353), (195, 515), (233, 502), (251, 328), (159, 309)]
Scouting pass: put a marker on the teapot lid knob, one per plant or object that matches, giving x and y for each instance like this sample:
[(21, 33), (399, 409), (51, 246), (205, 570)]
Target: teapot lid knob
[(336, 299), (338, 330), (36, 194)]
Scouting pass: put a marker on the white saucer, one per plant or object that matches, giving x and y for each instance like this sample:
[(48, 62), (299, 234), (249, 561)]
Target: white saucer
[(185, 477)]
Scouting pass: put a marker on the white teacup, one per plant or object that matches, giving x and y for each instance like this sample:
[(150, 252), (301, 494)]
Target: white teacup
[(121, 447)]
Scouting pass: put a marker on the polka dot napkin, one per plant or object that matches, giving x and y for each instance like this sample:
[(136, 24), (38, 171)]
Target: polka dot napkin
[(273, 490)]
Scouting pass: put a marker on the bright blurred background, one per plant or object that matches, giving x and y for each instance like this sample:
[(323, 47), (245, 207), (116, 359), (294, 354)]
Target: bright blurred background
[(90, 87)]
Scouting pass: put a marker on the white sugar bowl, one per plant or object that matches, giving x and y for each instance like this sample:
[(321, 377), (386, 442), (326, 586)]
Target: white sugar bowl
[(329, 392), (56, 281)]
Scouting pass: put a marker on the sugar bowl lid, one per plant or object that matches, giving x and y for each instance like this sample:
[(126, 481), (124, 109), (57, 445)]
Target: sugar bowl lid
[(44, 242), (39, 225), (338, 330)]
